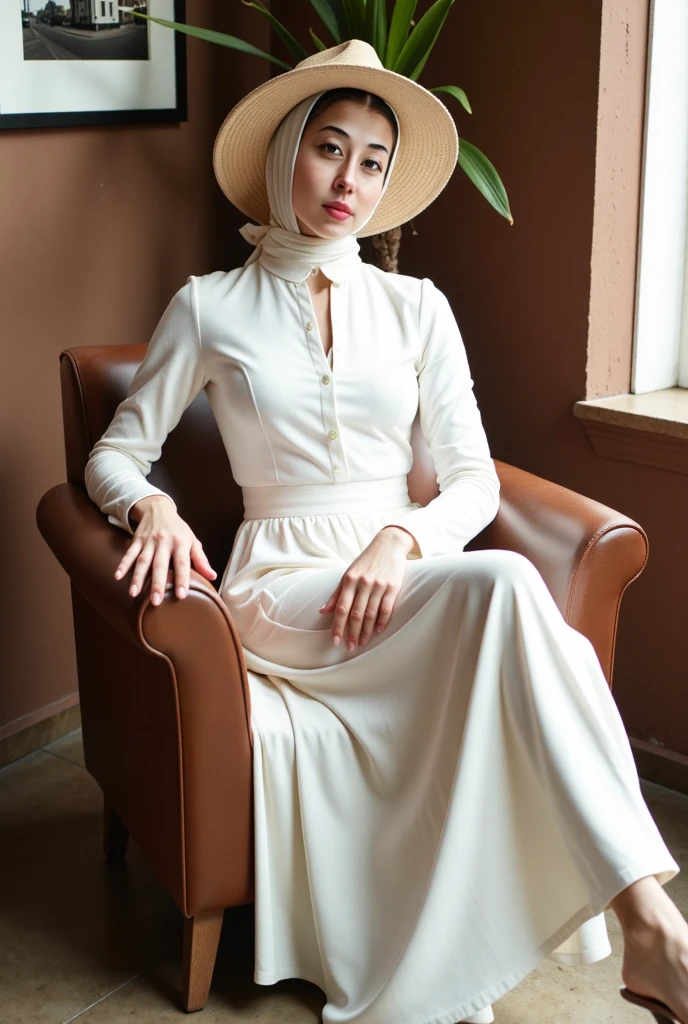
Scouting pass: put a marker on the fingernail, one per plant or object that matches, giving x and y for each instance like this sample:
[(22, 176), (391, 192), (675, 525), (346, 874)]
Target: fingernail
[(181, 592), (364, 639), (118, 574), (133, 591), (378, 629), (156, 599), (351, 645), (337, 641)]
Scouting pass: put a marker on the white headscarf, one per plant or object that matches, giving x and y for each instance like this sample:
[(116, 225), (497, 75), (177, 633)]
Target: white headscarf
[(280, 247)]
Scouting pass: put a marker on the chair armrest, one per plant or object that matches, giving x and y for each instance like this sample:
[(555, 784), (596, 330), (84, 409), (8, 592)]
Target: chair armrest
[(89, 549), (586, 552), (205, 685)]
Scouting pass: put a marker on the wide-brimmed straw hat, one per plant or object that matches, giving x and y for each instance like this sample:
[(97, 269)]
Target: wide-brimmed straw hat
[(428, 143)]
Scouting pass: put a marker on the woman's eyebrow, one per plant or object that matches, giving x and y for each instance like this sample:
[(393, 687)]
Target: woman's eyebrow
[(340, 131)]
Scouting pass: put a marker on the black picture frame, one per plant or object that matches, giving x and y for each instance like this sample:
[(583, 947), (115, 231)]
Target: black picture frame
[(92, 118)]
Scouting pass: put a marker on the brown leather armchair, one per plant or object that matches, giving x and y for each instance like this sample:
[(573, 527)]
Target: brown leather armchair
[(164, 696)]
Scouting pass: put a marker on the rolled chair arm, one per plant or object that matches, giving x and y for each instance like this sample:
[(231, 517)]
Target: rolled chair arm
[(586, 552), (202, 689), (89, 549)]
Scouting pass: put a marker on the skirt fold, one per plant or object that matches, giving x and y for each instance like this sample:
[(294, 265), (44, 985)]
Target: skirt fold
[(438, 810)]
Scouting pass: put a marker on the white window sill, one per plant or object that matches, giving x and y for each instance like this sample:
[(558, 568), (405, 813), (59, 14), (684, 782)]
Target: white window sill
[(650, 429)]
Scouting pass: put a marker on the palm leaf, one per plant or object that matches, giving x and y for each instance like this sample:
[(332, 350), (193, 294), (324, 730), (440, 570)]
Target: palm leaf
[(338, 9), (402, 18), (376, 26), (419, 44), (354, 15), (328, 17), (484, 177), (406, 54), (457, 93), (318, 42), (209, 36), (294, 47)]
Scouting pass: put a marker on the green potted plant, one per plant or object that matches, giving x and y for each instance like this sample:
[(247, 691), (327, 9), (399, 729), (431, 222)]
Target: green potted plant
[(402, 44)]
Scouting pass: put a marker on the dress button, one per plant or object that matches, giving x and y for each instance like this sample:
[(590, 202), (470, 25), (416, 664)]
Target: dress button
[(325, 379), (309, 325), (336, 468), (314, 271), (333, 435), (337, 323)]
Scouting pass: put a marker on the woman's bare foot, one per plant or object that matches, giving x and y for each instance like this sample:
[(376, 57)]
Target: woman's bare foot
[(655, 962)]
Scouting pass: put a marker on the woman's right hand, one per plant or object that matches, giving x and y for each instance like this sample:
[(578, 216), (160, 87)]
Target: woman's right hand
[(162, 534)]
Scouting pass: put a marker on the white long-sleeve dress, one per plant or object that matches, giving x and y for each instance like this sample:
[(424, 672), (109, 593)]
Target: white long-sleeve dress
[(437, 811)]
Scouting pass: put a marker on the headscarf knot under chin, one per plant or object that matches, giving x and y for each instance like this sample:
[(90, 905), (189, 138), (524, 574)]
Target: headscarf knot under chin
[(280, 246)]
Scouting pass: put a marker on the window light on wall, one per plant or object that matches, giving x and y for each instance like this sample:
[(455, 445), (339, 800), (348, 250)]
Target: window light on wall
[(660, 358)]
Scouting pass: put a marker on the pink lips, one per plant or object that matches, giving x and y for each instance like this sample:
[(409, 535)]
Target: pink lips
[(336, 213)]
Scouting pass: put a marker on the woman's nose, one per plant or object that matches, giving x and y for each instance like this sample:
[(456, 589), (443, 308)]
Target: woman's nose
[(344, 184), (345, 181)]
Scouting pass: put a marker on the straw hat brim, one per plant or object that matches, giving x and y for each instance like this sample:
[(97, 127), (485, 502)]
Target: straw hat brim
[(428, 147)]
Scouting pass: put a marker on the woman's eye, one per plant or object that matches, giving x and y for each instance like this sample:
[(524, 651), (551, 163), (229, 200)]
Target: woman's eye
[(332, 147)]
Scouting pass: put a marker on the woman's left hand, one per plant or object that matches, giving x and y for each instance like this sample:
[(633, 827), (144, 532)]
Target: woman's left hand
[(365, 597)]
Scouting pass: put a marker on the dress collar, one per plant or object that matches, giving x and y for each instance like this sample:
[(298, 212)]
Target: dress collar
[(293, 256), (337, 270)]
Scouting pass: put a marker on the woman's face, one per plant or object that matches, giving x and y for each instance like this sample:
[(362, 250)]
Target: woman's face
[(342, 159)]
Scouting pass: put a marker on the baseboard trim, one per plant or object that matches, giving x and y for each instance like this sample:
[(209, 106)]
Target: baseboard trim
[(38, 715), (39, 734), (665, 767)]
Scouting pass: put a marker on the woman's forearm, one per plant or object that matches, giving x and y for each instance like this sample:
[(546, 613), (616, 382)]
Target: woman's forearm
[(137, 510), (402, 537)]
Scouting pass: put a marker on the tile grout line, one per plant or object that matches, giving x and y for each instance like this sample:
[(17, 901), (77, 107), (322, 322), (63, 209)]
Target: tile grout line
[(20, 760), (61, 757), (40, 750), (102, 998)]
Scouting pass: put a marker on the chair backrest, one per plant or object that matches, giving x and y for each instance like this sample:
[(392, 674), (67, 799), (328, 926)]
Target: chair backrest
[(193, 467)]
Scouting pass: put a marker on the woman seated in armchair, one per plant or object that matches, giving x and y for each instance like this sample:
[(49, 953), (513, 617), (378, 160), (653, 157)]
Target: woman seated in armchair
[(444, 791)]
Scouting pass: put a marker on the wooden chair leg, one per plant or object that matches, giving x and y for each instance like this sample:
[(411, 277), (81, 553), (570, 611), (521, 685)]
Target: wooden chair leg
[(115, 835), (201, 938)]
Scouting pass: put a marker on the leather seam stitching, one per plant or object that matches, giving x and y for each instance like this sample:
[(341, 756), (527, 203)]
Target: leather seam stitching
[(643, 536), (182, 802), (216, 601), (601, 532), (77, 373)]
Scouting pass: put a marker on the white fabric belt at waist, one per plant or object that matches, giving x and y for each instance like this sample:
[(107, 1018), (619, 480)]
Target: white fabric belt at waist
[(325, 499)]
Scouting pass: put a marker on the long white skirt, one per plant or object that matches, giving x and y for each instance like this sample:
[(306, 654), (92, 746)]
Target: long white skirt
[(439, 810)]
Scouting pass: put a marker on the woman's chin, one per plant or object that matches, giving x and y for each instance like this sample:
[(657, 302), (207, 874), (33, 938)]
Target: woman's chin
[(325, 226)]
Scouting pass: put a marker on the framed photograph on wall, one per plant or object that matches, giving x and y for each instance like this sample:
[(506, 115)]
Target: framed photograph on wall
[(90, 62)]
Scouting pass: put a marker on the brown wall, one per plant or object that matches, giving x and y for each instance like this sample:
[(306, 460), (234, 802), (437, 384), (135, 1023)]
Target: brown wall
[(524, 297), (98, 229), (523, 294), (532, 299)]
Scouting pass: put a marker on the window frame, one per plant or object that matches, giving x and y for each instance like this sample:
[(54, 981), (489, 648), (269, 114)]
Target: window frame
[(660, 350)]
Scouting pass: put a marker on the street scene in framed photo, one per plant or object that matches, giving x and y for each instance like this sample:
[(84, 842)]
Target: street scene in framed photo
[(91, 62), (83, 30)]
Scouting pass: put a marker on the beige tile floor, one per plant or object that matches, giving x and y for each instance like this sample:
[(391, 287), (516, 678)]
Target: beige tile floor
[(84, 940)]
